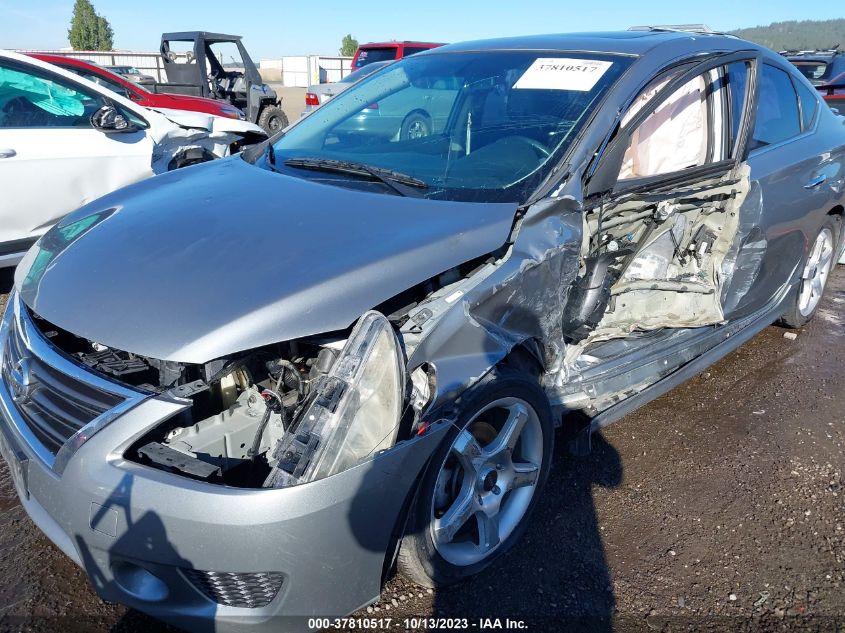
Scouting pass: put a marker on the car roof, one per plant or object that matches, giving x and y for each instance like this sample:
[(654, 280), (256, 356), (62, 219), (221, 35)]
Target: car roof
[(392, 43), (192, 35), (64, 60), (635, 42)]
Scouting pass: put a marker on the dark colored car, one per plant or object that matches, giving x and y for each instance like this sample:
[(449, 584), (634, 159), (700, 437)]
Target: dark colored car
[(132, 74), (238, 395), (819, 66), (388, 51), (834, 93), (137, 93)]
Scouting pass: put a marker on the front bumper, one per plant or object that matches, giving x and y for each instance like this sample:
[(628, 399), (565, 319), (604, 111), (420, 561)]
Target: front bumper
[(138, 532)]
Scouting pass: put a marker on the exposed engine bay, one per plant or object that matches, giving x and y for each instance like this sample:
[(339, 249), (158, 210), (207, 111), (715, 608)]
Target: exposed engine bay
[(278, 417)]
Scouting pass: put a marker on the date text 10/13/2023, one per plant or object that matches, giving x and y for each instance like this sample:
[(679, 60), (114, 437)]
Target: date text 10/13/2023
[(416, 623)]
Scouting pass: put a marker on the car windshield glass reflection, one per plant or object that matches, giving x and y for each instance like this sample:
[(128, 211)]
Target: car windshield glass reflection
[(472, 126)]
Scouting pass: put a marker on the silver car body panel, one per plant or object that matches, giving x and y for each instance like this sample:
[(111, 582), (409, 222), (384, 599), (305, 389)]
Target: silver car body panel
[(317, 257)]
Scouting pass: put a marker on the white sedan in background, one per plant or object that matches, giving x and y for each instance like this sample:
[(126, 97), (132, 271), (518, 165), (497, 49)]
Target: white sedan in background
[(65, 141)]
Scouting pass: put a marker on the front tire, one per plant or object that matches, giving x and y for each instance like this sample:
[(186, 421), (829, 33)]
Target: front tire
[(272, 119), (416, 125), (482, 484), (814, 278)]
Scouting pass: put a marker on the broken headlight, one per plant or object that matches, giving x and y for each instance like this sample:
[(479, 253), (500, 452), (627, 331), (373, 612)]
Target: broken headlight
[(352, 413)]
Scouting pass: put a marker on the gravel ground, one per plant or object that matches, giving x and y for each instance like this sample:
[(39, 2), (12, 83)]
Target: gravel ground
[(718, 507)]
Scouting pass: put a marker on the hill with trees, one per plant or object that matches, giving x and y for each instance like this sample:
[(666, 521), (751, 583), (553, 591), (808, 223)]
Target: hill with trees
[(797, 35)]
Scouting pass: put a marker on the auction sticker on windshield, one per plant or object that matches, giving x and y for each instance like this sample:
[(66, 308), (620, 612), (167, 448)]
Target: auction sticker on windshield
[(561, 73)]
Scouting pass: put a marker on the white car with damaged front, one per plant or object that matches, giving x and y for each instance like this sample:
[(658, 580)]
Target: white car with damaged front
[(65, 141)]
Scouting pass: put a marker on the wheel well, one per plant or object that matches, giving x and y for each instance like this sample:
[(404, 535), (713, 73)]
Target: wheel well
[(417, 111), (838, 212), (526, 356), (190, 156)]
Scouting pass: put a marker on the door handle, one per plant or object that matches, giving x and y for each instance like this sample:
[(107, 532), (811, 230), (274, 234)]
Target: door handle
[(7, 153), (815, 182)]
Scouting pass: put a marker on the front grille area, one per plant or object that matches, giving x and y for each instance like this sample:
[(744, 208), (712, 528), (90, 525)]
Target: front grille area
[(53, 405), (232, 589)]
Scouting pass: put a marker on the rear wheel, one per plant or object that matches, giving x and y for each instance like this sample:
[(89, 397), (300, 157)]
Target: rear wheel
[(273, 119), (814, 278), (483, 483)]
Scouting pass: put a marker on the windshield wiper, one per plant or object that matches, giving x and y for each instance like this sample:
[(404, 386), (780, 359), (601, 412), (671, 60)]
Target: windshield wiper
[(403, 184)]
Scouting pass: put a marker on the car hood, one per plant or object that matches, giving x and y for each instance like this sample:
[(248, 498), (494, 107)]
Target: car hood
[(226, 256), (192, 119)]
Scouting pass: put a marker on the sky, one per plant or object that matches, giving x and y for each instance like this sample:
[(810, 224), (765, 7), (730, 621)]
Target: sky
[(276, 28)]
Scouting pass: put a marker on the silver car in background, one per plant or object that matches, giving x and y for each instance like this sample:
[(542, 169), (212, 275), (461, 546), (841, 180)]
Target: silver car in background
[(241, 412), (133, 74)]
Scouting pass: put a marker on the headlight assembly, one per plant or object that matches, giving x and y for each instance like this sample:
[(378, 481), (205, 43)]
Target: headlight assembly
[(352, 414)]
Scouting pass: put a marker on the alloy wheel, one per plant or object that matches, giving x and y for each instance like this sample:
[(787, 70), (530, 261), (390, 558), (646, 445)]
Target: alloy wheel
[(816, 272), (487, 481)]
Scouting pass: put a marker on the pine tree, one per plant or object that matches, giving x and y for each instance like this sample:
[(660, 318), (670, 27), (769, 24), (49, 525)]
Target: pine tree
[(88, 30), (348, 45)]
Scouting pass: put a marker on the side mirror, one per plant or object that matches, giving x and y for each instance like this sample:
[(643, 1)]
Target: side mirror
[(109, 120)]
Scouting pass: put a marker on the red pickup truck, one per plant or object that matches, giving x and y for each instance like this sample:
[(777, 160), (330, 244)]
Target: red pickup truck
[(138, 94)]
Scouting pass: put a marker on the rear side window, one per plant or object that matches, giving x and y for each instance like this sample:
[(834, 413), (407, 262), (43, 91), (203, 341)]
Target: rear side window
[(809, 103), (411, 50), (370, 55), (777, 116)]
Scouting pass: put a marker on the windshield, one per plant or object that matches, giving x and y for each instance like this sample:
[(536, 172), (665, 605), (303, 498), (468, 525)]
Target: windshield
[(481, 126)]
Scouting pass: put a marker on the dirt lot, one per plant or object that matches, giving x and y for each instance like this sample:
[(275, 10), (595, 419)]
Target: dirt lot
[(720, 506)]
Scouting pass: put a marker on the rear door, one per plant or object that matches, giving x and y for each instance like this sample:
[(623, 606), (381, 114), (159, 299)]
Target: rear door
[(52, 160), (792, 180)]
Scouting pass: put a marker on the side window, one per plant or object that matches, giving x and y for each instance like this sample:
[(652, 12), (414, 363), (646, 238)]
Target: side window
[(674, 136), (31, 98), (777, 116), (412, 50), (737, 75), (809, 102)]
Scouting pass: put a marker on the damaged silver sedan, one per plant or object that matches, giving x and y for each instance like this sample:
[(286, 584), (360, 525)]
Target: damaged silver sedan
[(254, 388)]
